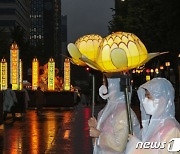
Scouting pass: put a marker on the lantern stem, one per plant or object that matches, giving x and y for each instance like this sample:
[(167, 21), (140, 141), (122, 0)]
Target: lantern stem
[(93, 94)]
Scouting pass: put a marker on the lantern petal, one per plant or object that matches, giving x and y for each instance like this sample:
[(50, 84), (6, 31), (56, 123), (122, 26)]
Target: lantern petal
[(119, 58), (75, 54), (74, 51), (90, 63), (151, 56)]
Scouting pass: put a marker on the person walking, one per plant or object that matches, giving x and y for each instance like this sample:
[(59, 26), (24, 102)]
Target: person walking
[(158, 119), (39, 95), (110, 130), (9, 101)]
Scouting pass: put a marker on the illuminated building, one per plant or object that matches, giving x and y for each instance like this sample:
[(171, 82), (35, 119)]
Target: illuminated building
[(67, 84), (51, 74), (20, 75), (35, 73), (14, 66), (3, 74)]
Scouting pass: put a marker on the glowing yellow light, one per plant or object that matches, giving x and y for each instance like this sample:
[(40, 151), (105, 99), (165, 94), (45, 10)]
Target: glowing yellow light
[(35, 74), (134, 71), (157, 70), (120, 51), (3, 74), (148, 77), (51, 74), (167, 63), (152, 70), (20, 75), (14, 66), (67, 84)]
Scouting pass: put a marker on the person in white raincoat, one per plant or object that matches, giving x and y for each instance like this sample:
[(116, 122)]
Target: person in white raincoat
[(110, 131), (9, 100), (158, 118)]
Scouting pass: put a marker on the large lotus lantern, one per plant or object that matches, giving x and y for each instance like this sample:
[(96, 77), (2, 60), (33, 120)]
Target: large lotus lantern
[(86, 46), (117, 52)]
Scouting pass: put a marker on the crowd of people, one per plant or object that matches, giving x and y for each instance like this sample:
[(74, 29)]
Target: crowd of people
[(10, 102)]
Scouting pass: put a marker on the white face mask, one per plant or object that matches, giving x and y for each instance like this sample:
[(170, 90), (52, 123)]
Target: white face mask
[(149, 106)]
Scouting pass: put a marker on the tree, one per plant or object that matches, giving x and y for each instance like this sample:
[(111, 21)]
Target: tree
[(155, 22)]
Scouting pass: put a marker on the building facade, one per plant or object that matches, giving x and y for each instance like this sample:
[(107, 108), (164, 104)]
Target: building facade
[(37, 28), (46, 27), (14, 13)]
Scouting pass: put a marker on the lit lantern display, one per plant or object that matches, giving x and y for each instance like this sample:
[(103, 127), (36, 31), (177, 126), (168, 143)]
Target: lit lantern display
[(67, 84), (14, 66), (117, 52), (3, 74), (35, 73), (51, 74), (20, 75)]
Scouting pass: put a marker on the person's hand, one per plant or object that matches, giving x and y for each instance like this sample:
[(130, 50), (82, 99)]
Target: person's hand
[(92, 122), (93, 132)]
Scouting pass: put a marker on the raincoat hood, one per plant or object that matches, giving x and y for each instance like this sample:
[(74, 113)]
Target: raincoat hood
[(162, 92)]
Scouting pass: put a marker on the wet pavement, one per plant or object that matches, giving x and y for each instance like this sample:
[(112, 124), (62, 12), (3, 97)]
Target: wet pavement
[(56, 131)]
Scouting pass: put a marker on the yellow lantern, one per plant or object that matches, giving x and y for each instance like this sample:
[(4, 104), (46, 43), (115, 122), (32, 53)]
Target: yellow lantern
[(67, 85), (148, 77), (35, 74), (86, 46), (20, 75), (51, 74), (14, 66), (3, 74), (117, 52)]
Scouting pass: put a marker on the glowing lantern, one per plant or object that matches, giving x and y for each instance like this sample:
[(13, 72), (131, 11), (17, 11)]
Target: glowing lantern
[(117, 52), (161, 67), (167, 64), (14, 66), (20, 75), (67, 84), (152, 70), (148, 77), (86, 46), (3, 74), (35, 74), (157, 70), (51, 74)]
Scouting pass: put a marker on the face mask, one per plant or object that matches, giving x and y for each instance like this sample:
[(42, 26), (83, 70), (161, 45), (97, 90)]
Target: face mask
[(149, 106)]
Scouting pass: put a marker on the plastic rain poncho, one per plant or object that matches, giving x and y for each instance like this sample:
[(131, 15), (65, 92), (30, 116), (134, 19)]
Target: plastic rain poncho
[(113, 121), (9, 100), (162, 126)]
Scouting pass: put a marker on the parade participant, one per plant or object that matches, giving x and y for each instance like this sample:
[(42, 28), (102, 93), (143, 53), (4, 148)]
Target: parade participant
[(9, 100), (110, 131), (26, 97), (40, 100), (158, 118)]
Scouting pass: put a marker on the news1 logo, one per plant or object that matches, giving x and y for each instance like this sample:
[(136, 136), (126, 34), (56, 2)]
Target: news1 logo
[(173, 145)]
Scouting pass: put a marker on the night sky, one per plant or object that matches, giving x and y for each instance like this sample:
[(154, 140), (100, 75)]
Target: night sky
[(87, 17)]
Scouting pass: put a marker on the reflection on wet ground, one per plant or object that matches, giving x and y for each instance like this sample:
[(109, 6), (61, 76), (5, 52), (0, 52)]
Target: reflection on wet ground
[(55, 131)]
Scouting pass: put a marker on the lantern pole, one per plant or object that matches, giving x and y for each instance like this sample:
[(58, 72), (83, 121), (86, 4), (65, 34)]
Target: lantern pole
[(125, 86), (93, 93)]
